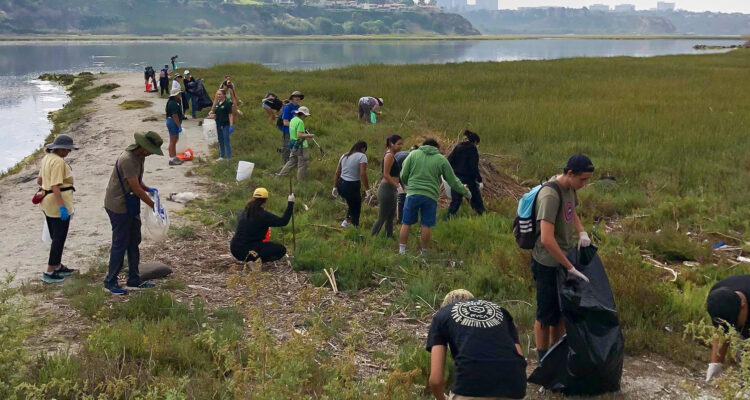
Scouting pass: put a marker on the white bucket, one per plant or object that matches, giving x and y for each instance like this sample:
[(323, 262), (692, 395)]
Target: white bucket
[(244, 170), (209, 130)]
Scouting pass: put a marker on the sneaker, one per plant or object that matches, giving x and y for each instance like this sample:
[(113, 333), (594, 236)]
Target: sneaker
[(116, 290), (345, 224), (52, 277), (219, 159), (175, 161), (144, 285), (65, 271)]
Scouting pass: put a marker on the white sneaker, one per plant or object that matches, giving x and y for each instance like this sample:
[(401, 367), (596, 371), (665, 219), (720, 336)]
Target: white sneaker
[(345, 224), (219, 159)]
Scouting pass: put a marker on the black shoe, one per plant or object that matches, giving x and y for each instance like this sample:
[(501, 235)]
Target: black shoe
[(52, 277), (65, 271)]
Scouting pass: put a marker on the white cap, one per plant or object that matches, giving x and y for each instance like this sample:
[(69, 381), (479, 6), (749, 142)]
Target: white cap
[(304, 110), (187, 72)]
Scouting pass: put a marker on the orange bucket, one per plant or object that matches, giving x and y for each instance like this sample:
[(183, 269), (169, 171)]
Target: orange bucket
[(187, 155)]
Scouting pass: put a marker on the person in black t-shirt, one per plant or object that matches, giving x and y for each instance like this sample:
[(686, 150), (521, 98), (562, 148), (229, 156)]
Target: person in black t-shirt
[(727, 304), (484, 345), (252, 226)]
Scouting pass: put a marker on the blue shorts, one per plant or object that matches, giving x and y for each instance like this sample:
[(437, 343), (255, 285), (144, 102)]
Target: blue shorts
[(172, 127), (422, 205)]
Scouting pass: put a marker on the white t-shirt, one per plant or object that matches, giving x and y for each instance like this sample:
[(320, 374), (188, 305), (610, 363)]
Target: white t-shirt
[(350, 166), (176, 85)]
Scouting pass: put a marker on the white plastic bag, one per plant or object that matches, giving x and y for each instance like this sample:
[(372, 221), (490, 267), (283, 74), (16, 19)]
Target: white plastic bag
[(155, 220), (447, 189), (209, 130), (244, 170), (46, 238)]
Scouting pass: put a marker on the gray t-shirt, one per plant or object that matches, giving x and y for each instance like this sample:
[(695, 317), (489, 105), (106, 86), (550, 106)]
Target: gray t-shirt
[(550, 208), (350, 166)]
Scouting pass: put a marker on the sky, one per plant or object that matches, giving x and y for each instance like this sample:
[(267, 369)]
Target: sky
[(742, 6)]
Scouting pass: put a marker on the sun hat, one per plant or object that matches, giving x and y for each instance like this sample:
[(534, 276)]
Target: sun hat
[(260, 193), (303, 110), (297, 93), (454, 296), (62, 142), (187, 72), (175, 92), (723, 304), (151, 141), (579, 163)]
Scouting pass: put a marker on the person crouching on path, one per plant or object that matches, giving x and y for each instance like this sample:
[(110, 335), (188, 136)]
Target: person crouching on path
[(727, 305), (465, 162), (174, 125), (388, 189), (56, 178), (221, 111), (252, 225), (421, 173), (560, 231), (298, 144), (122, 201), (366, 105), (351, 174), (484, 345)]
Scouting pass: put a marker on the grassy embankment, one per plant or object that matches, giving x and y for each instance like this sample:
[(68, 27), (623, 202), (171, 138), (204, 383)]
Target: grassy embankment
[(669, 129)]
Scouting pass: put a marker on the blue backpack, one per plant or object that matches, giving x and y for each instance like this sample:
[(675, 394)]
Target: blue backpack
[(524, 225)]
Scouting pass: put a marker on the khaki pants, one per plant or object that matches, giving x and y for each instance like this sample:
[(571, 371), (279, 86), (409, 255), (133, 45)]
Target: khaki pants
[(453, 396), (298, 158)]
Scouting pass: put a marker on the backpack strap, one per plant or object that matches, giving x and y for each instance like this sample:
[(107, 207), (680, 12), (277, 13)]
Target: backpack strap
[(546, 184)]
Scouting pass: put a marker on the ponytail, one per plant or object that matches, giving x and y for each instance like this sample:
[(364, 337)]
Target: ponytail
[(391, 140)]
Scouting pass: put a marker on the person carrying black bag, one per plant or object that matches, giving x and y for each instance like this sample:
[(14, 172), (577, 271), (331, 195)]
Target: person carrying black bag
[(122, 201)]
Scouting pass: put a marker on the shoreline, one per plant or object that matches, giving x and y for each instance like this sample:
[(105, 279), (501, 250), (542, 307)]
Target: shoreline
[(134, 38)]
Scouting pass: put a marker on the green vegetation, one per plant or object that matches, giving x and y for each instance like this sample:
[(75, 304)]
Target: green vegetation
[(135, 104)]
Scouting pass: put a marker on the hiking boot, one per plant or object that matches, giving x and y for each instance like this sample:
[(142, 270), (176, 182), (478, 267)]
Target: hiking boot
[(175, 161), (144, 285), (65, 271), (116, 290), (52, 277)]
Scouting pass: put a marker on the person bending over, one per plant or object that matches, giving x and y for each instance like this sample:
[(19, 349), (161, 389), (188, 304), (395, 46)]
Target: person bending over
[(252, 225), (484, 346), (727, 305), (465, 162)]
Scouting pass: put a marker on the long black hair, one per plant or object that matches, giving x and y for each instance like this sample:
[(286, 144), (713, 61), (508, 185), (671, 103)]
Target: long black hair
[(390, 140), (471, 136), (254, 208), (359, 147)]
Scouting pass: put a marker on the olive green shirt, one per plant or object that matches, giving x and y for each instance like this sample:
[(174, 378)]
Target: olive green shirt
[(131, 166), (549, 208)]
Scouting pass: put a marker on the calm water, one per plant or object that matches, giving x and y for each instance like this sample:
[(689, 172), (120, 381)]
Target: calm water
[(25, 101)]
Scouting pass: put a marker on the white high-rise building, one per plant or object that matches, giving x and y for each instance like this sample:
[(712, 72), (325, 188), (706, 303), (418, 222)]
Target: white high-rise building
[(625, 8), (599, 7), (664, 6)]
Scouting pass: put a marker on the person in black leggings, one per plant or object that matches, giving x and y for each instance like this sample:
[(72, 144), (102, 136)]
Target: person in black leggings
[(351, 174), (252, 225), (387, 190)]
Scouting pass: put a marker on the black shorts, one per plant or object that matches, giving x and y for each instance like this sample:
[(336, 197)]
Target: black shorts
[(547, 299)]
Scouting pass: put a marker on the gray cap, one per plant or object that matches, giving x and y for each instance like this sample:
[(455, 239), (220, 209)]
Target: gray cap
[(62, 142)]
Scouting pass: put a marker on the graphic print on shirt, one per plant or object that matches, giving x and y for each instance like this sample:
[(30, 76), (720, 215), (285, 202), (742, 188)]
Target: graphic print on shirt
[(569, 211), (477, 314)]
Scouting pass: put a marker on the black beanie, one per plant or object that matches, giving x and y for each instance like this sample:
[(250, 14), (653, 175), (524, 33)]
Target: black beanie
[(723, 304)]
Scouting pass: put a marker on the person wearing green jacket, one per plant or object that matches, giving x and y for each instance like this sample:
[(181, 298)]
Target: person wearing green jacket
[(421, 173)]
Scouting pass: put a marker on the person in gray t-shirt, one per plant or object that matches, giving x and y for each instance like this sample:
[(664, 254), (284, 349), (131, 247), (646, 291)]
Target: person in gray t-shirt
[(351, 174)]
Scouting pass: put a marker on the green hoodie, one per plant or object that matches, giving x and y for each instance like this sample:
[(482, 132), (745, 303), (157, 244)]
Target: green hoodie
[(422, 170)]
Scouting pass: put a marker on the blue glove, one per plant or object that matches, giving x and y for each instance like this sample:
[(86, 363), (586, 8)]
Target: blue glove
[(231, 129), (152, 190), (64, 213), (179, 129)]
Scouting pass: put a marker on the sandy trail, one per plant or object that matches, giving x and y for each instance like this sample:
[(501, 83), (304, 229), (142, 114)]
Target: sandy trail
[(101, 135)]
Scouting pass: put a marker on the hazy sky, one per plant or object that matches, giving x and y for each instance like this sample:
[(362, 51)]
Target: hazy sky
[(692, 5)]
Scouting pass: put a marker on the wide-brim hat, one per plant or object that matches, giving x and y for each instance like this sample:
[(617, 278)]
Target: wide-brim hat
[(260, 193), (151, 141), (62, 142), (175, 92), (303, 110), (297, 93)]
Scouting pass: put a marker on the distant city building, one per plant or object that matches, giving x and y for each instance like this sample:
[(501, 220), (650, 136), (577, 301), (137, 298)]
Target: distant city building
[(463, 5), (664, 6), (625, 8), (599, 7)]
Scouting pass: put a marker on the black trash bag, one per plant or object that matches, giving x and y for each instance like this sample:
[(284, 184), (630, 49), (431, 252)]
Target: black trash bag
[(589, 358), (202, 99)]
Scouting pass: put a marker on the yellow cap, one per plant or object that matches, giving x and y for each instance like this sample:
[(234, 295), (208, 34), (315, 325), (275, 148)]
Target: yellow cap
[(260, 193)]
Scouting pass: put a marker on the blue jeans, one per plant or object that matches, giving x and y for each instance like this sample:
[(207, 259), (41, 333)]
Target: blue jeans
[(225, 148), (126, 236), (191, 100), (417, 205)]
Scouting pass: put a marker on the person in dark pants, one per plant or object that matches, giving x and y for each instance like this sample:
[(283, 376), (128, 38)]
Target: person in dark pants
[(56, 180), (122, 201), (401, 196), (465, 162), (253, 224), (164, 80), (351, 174), (190, 86)]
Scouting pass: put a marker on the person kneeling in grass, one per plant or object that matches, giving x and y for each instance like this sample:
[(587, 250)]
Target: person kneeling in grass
[(252, 225), (727, 305), (484, 345)]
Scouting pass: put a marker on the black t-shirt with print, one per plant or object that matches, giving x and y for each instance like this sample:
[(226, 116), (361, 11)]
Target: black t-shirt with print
[(481, 337), (737, 283)]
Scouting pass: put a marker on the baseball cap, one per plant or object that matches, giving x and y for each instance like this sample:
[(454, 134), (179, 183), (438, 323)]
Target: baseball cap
[(723, 304), (304, 110), (579, 163), (260, 193)]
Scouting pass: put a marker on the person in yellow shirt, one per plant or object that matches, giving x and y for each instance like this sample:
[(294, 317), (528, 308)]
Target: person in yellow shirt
[(56, 179)]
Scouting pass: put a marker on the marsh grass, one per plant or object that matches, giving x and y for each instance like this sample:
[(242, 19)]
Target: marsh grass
[(135, 104)]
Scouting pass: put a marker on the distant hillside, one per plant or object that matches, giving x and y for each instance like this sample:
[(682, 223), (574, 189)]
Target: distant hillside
[(154, 17), (584, 21)]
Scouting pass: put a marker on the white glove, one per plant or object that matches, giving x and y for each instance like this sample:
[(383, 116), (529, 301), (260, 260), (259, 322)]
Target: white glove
[(468, 192), (481, 185), (368, 193), (714, 370), (583, 240), (290, 198), (334, 192), (573, 271)]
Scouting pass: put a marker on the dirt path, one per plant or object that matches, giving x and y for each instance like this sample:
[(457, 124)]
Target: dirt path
[(102, 135)]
